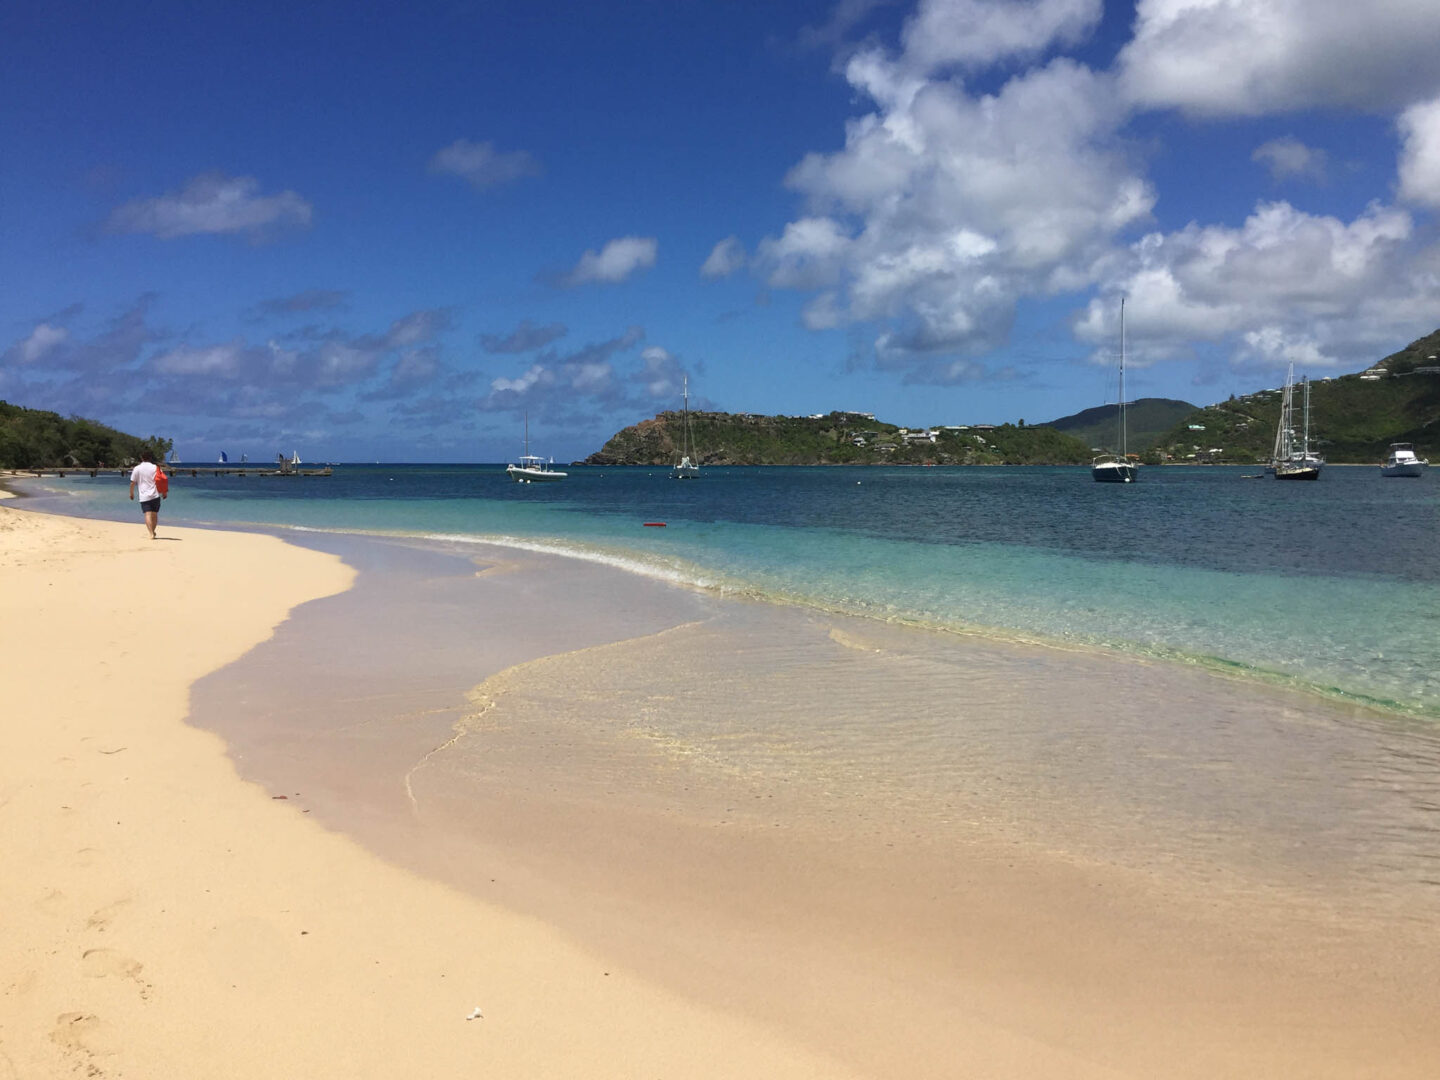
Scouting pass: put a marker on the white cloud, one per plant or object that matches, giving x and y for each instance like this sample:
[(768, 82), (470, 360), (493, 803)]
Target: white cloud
[(725, 258), (1420, 153), (808, 254), (977, 33), (40, 342), (536, 375), (223, 360), (211, 203), (615, 262), (1285, 285), (482, 166), (1287, 157), (945, 208), (1252, 57)]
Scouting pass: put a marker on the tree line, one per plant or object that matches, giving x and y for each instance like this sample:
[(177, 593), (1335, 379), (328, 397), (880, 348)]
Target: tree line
[(37, 439)]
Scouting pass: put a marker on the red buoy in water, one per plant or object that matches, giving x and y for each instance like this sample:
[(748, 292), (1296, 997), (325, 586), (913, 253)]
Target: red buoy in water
[(654, 524)]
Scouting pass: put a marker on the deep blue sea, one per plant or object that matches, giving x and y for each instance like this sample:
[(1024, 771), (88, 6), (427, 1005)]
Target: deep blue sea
[(1332, 586)]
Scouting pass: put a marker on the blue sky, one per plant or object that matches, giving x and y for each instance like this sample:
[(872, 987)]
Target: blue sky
[(382, 231)]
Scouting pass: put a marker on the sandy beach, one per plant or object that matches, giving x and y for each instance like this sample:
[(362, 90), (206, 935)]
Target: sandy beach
[(498, 793)]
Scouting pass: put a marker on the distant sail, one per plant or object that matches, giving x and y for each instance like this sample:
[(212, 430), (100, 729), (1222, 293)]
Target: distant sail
[(223, 458)]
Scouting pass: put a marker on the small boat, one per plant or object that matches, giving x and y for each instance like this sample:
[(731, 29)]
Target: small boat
[(685, 468), (295, 457), (1117, 468), (531, 468), (1403, 462), (1292, 459), (223, 459)]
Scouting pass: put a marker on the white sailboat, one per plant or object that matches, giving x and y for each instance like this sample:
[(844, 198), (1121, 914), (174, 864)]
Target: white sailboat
[(531, 468), (686, 468), (1291, 458), (295, 457), (1403, 461), (1117, 468)]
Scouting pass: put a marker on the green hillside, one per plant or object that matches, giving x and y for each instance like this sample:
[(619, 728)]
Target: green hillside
[(1147, 420), (34, 439), (835, 439), (1353, 418)]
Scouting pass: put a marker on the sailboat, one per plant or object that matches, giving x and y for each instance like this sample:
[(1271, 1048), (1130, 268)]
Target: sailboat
[(223, 458), (1117, 468), (685, 468), (531, 468), (1291, 458), (174, 458), (295, 457)]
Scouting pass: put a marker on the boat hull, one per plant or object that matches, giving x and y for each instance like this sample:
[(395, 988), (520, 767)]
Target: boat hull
[(1404, 468), (1113, 472), (532, 476), (1297, 472)]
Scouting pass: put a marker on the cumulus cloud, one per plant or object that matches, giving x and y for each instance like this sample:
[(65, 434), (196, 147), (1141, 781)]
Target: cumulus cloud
[(725, 258), (1284, 284), (524, 338), (1221, 57), (1288, 158), (944, 208), (1420, 153), (615, 262), (482, 166), (978, 33), (212, 203)]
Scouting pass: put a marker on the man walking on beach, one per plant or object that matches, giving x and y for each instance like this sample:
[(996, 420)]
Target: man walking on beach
[(143, 477)]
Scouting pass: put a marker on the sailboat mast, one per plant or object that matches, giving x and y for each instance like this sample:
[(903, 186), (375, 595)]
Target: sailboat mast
[(1123, 446), (1305, 444)]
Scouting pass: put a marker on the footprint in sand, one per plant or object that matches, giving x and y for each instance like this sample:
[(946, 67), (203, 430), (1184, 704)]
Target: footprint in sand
[(100, 963), (102, 917), (84, 1033)]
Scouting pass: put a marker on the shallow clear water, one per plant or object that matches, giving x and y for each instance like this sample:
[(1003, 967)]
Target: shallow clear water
[(1331, 585)]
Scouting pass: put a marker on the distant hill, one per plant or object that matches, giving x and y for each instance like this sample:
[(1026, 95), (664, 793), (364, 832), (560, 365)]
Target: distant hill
[(1353, 418), (835, 439), (1146, 420), (33, 439)]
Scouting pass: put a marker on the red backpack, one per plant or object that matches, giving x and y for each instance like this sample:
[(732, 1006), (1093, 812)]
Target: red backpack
[(162, 482)]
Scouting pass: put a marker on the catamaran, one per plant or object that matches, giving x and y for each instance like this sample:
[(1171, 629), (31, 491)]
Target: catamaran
[(685, 468), (1291, 458), (1403, 462), (1117, 468), (532, 468)]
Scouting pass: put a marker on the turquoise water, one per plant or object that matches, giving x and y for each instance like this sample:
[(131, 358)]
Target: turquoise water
[(1331, 586)]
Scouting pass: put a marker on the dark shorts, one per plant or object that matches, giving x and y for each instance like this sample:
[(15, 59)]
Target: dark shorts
[(150, 506)]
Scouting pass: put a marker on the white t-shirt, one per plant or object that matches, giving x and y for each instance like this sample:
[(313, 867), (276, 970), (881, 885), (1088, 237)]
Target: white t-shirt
[(143, 477)]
